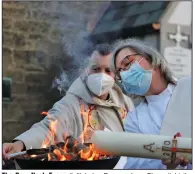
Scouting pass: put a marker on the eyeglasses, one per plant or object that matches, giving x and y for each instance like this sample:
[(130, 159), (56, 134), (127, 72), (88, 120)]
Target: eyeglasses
[(125, 65)]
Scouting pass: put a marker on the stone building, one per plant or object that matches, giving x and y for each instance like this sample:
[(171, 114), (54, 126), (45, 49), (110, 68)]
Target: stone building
[(42, 39), (166, 25), (33, 52)]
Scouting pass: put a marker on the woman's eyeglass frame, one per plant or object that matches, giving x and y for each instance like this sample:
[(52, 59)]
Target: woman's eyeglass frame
[(126, 68)]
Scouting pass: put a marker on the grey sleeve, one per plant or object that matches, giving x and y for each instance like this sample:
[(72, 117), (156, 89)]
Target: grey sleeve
[(62, 116)]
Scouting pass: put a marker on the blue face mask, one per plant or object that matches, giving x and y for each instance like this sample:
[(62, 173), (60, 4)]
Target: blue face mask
[(136, 80)]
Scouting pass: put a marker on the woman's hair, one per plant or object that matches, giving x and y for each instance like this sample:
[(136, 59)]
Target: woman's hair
[(150, 53)]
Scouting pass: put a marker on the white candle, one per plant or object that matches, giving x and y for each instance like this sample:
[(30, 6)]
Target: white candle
[(16, 154), (142, 145)]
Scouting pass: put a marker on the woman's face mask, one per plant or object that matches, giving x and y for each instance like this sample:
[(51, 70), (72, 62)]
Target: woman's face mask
[(100, 83), (136, 80)]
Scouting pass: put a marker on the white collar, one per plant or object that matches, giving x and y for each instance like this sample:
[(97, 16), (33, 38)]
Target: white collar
[(167, 92)]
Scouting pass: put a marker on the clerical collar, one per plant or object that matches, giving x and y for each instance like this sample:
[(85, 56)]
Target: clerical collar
[(168, 91)]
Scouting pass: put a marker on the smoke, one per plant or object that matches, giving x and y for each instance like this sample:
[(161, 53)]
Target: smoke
[(76, 44), (78, 48), (73, 21), (61, 82)]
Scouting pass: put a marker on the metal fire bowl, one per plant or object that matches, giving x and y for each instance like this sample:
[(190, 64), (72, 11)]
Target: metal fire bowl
[(96, 164)]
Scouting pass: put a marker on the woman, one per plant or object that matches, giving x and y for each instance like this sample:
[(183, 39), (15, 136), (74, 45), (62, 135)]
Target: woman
[(93, 102), (144, 73)]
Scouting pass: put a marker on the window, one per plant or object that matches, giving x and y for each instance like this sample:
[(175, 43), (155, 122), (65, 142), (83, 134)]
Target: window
[(6, 89)]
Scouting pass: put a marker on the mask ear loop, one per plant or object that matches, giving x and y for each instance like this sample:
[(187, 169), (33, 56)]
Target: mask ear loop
[(85, 75), (146, 70), (141, 60)]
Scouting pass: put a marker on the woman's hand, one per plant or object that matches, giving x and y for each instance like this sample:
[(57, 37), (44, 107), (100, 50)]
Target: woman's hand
[(181, 160)]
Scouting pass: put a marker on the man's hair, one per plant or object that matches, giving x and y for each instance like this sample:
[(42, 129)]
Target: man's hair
[(150, 53), (100, 49), (103, 49)]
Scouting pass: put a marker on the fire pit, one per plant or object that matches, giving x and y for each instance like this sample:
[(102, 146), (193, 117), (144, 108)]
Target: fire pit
[(96, 164), (70, 154)]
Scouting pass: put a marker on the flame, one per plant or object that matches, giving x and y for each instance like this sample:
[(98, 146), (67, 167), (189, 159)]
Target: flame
[(86, 154), (60, 156), (49, 157), (44, 146), (90, 154), (44, 113), (62, 153), (45, 142), (51, 134), (53, 130), (33, 156)]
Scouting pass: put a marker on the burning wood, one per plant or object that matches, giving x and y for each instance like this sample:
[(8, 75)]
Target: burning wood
[(70, 150), (34, 157)]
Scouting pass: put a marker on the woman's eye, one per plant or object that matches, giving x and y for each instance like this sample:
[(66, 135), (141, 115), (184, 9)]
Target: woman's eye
[(127, 64), (131, 62)]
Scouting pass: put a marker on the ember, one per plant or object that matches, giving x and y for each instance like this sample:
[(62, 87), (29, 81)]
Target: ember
[(73, 150), (54, 155), (69, 150)]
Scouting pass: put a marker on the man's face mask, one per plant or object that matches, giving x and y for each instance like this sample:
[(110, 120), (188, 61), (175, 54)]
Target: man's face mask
[(100, 83), (136, 80)]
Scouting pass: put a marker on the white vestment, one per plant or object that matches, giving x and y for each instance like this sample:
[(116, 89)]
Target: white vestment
[(163, 114), (178, 116)]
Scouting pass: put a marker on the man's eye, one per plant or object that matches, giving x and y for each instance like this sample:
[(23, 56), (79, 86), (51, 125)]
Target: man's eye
[(108, 70), (95, 69)]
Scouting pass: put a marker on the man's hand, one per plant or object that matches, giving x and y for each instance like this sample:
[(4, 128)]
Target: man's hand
[(181, 160), (9, 148)]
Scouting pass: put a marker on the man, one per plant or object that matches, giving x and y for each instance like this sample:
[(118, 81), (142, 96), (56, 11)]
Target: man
[(166, 105), (93, 102)]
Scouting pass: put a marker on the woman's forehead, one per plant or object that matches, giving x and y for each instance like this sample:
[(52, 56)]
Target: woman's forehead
[(125, 52), (122, 54)]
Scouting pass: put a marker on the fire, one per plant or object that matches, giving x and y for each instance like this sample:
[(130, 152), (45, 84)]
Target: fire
[(51, 135), (44, 146), (33, 156), (44, 113), (90, 154), (45, 142), (63, 153), (49, 157), (59, 155), (53, 130)]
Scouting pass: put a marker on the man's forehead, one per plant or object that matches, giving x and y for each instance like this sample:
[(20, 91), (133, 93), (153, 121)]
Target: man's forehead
[(98, 59)]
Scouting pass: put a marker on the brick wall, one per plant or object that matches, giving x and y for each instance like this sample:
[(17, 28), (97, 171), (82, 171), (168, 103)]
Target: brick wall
[(32, 51)]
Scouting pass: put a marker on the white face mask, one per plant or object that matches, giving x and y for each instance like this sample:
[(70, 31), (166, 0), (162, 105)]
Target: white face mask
[(100, 83)]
